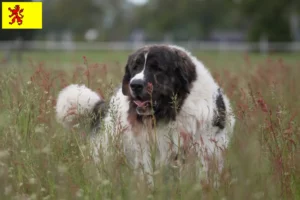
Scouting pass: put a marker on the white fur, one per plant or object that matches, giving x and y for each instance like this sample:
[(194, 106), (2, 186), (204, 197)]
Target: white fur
[(195, 118), (74, 101), (141, 75)]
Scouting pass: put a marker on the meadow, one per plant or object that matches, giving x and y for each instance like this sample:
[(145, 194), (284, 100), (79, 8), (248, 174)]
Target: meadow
[(39, 159)]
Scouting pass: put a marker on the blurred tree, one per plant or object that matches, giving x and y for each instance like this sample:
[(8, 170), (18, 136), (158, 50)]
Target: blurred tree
[(268, 18), (119, 19), (183, 20), (166, 19), (76, 16)]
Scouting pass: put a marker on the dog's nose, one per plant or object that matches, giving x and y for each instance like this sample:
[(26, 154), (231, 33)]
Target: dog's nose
[(137, 86)]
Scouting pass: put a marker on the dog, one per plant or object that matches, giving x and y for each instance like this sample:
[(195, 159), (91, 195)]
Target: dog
[(168, 99)]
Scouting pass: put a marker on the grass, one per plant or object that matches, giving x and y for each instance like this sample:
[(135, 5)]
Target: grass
[(41, 160)]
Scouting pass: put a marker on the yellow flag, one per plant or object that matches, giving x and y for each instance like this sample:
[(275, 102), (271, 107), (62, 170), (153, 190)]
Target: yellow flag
[(22, 15)]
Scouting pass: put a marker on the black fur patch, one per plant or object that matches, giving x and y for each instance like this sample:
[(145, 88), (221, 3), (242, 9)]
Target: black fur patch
[(220, 113), (98, 112)]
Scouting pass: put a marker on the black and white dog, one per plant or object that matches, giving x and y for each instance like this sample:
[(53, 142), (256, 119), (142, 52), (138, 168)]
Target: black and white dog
[(168, 98)]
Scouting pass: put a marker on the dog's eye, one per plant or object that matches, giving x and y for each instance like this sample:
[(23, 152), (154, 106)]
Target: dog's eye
[(135, 67), (138, 62)]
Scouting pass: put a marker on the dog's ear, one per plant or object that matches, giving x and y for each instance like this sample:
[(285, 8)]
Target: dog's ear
[(125, 82), (185, 69), (127, 75)]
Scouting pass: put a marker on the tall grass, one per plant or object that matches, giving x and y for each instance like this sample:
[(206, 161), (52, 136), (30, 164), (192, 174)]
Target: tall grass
[(41, 160)]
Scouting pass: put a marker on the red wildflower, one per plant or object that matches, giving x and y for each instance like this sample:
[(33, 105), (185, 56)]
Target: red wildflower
[(263, 105)]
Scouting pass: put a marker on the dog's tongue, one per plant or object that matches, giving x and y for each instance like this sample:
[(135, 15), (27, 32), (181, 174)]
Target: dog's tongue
[(141, 103)]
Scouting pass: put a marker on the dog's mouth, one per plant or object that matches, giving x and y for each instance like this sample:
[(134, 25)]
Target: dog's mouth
[(143, 107)]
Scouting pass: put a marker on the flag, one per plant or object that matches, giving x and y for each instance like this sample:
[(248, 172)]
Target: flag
[(22, 15)]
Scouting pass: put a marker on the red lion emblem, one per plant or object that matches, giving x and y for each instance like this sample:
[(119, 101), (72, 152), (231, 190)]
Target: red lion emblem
[(15, 14)]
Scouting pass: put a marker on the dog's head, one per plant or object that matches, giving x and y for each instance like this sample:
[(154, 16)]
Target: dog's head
[(157, 80)]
